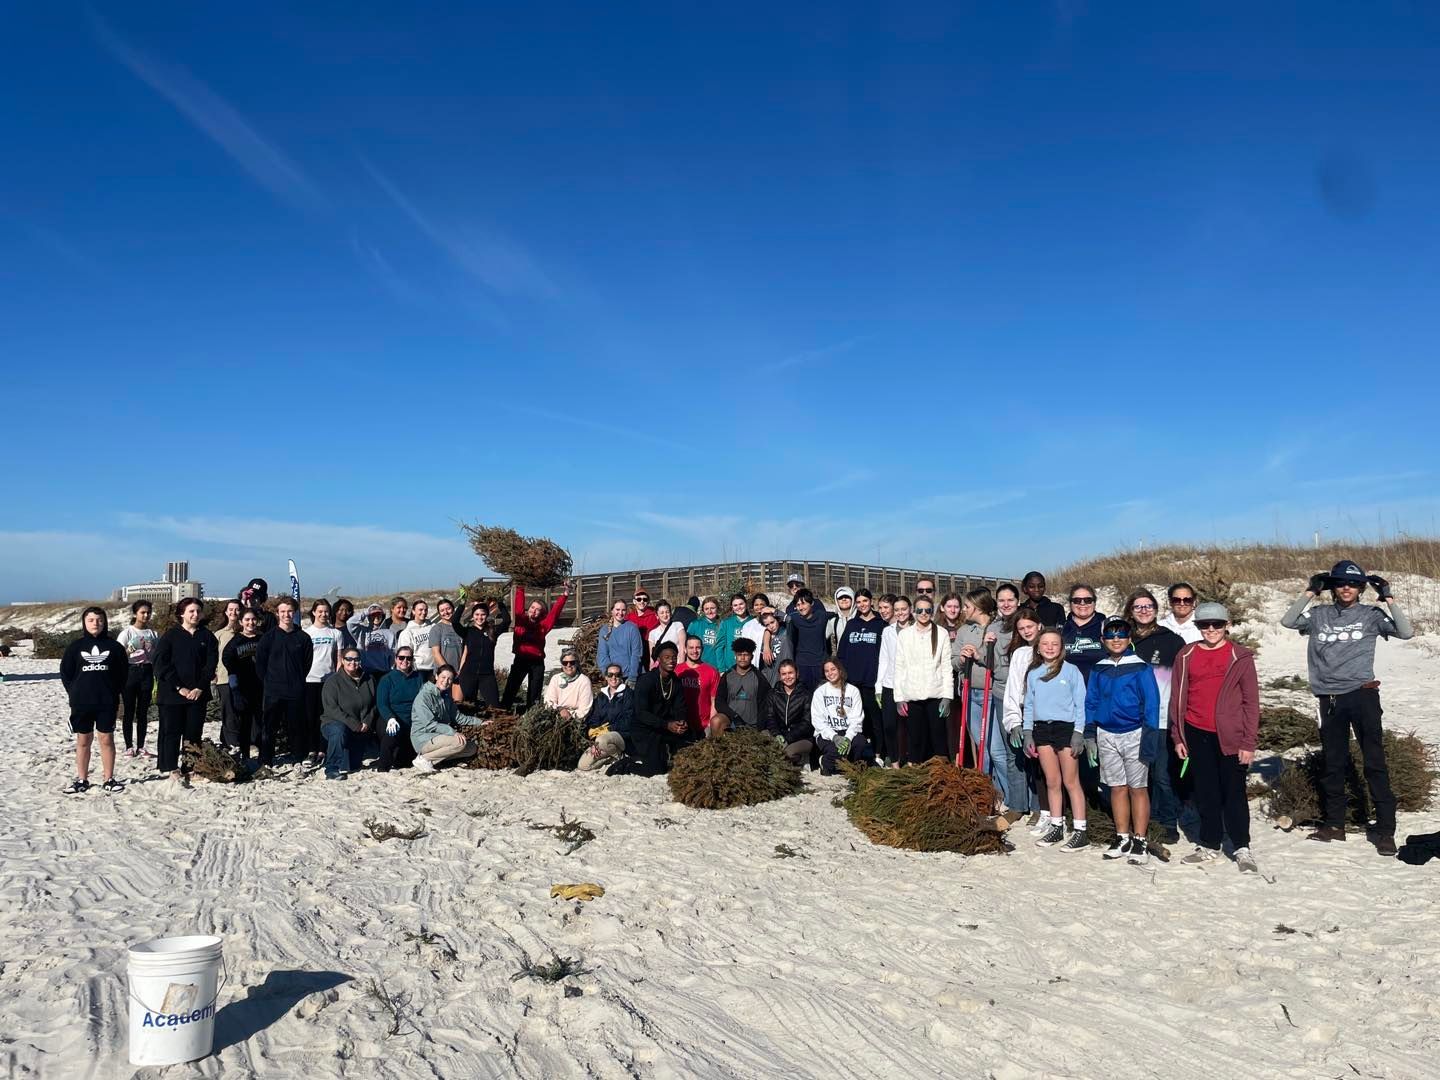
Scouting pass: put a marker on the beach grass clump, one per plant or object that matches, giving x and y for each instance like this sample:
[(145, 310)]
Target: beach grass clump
[(534, 562), (1284, 727), (52, 646), (546, 740), (738, 768), (935, 806)]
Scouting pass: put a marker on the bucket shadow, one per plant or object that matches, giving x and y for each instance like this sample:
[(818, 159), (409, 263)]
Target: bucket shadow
[(264, 1004)]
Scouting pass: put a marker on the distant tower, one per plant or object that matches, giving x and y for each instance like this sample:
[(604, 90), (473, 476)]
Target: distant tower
[(176, 572)]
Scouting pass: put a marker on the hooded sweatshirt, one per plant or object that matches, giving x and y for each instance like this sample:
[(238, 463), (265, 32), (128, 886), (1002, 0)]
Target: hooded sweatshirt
[(530, 633), (1013, 713), (1342, 641), (283, 663), (834, 712), (239, 659), (807, 633), (1083, 645), (885, 666), (835, 624), (859, 649), (93, 671), (1122, 695), (377, 646), (708, 631), (1237, 706)]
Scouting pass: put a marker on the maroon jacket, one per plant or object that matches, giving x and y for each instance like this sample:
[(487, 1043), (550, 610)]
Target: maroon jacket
[(530, 633), (1237, 709)]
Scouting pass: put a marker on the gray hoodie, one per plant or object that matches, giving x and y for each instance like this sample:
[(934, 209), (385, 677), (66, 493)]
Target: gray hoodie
[(1342, 641)]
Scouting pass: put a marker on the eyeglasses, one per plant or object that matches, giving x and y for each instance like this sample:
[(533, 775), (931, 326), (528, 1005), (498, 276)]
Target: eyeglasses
[(1113, 635), (1210, 624), (642, 599), (1187, 601), (568, 663), (350, 659), (1082, 599), (1143, 607)]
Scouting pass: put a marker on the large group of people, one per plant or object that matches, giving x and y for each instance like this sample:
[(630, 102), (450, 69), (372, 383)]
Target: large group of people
[(1153, 710)]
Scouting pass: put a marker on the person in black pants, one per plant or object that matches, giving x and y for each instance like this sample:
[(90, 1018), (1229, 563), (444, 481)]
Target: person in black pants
[(237, 724), (662, 722), (138, 641), (283, 663), (477, 657), (185, 661)]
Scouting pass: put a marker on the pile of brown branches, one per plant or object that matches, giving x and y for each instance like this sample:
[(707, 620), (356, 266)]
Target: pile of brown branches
[(494, 738), (532, 561), (739, 768), (546, 740), (930, 807)]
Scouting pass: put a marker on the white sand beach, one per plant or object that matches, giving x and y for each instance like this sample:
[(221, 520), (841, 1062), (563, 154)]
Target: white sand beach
[(710, 955)]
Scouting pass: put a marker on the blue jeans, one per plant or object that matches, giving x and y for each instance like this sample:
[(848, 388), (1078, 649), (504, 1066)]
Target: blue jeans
[(997, 750), (1164, 802), (343, 748)]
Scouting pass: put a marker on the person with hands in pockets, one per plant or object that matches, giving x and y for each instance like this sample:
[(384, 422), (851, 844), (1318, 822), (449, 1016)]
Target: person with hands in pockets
[(837, 716), (1341, 656), (1122, 709)]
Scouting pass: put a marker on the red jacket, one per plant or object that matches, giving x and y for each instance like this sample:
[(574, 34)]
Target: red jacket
[(1237, 709), (645, 622), (530, 633)]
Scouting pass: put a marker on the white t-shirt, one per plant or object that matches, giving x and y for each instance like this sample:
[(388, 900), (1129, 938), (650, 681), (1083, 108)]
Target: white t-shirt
[(329, 640), (1187, 630), (418, 638)]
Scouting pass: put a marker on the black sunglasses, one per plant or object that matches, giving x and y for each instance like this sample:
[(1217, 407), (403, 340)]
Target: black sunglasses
[(919, 590), (1210, 624), (404, 659), (924, 611), (1189, 601), (1082, 599)]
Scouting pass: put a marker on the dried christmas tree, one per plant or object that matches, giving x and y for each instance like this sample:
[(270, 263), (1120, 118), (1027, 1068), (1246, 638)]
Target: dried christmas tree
[(532, 561), (930, 807), (739, 768)]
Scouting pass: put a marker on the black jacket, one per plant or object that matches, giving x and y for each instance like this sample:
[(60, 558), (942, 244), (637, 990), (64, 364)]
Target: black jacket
[(239, 657), (1047, 611), (789, 714), (650, 740), (93, 672), (185, 661), (283, 662)]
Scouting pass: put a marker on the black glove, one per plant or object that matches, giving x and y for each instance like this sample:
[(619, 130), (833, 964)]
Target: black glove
[(1382, 587), (1318, 583)]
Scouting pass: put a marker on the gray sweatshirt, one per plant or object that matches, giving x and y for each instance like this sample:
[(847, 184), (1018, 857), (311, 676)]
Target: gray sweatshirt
[(1342, 641)]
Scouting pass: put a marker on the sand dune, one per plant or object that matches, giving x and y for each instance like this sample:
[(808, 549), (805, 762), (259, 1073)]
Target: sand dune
[(709, 955)]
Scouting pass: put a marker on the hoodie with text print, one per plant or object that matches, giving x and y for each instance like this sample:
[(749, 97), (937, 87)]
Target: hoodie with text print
[(93, 671)]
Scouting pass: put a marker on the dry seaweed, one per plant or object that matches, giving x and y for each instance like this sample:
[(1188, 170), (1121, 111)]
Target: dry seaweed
[(738, 768), (559, 967), (388, 830), (1296, 794), (934, 806), (572, 831), (531, 561), (546, 740), (1283, 727), (1288, 682)]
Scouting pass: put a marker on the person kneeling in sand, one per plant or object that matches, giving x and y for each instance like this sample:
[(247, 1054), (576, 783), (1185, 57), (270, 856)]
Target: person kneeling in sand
[(432, 725), (348, 704), (787, 714), (838, 716), (610, 717)]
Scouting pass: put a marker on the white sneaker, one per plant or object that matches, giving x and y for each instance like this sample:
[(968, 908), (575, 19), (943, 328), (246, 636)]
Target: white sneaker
[(1245, 861), (424, 765), (1041, 827), (1139, 853)]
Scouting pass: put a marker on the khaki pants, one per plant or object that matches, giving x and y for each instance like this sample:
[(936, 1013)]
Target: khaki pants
[(447, 748), (609, 745)]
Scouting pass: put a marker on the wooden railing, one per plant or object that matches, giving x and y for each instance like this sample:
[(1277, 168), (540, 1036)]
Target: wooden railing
[(594, 592)]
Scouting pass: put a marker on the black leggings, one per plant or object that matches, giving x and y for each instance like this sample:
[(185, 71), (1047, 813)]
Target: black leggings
[(534, 668), (292, 715), (187, 721), (139, 684), (478, 686), (1219, 781), (925, 731)]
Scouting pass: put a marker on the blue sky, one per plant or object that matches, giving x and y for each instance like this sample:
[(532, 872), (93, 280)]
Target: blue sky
[(976, 286)]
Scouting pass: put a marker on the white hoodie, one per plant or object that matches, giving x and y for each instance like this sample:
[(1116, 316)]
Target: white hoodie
[(825, 715), (920, 674), (1014, 711)]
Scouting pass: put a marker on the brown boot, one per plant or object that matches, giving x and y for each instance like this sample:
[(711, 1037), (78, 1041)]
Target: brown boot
[(1326, 833), (1385, 845)]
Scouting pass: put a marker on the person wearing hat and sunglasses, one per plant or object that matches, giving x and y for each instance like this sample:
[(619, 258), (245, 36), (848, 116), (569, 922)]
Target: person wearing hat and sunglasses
[(1214, 722), (1341, 656), (645, 619)]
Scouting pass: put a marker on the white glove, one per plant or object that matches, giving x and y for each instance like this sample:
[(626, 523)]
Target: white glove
[(392, 726)]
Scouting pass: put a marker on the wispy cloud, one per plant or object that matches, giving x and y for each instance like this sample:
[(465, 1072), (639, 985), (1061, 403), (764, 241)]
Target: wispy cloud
[(499, 265), (811, 356), (711, 528), (374, 262), (851, 479), (266, 164)]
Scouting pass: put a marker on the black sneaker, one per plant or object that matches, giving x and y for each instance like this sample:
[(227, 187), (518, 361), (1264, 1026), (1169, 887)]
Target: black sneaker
[(112, 786), (1079, 839), (76, 787), (1051, 836), (1119, 847), (1171, 835)]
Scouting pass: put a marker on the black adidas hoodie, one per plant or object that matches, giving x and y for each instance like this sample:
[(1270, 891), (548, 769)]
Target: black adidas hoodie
[(93, 672)]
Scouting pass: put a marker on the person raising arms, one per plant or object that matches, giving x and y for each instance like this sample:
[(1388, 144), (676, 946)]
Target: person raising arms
[(532, 624)]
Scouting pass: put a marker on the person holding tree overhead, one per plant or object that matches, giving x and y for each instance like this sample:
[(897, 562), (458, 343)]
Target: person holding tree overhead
[(532, 624), (1341, 656)]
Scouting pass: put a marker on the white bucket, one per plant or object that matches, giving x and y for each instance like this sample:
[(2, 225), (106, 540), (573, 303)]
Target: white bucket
[(173, 989)]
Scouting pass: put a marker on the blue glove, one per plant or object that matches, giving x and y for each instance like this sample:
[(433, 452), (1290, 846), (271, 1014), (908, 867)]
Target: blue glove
[(234, 681), (842, 746)]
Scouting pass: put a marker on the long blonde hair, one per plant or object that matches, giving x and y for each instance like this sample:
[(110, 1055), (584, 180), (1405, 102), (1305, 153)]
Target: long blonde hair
[(1037, 660)]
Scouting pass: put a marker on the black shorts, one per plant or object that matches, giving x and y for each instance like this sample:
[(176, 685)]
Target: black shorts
[(88, 721), (1053, 734)]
